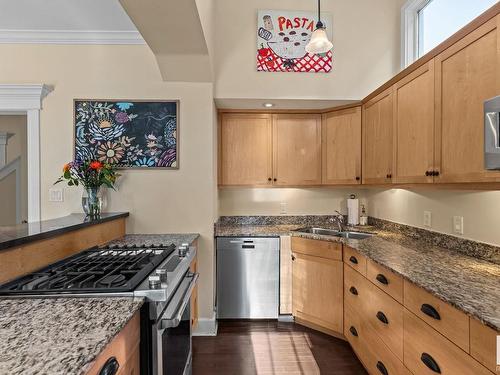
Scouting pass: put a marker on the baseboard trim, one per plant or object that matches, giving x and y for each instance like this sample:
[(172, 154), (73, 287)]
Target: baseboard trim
[(206, 327)]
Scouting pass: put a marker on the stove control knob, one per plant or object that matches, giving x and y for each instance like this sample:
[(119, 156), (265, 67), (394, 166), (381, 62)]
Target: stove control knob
[(182, 251), (162, 273), (185, 244), (154, 282)]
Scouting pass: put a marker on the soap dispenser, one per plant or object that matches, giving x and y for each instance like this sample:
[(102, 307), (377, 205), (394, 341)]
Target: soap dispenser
[(363, 219)]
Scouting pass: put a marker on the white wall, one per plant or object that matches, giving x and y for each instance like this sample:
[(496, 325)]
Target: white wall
[(159, 201), (480, 209), (366, 39), (318, 201)]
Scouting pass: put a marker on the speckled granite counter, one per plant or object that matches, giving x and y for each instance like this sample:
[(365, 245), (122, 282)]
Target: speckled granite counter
[(448, 267), (59, 335), (155, 239)]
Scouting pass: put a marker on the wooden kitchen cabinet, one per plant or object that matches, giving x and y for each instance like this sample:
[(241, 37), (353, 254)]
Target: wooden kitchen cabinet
[(245, 149), (467, 74), (378, 139), (296, 149), (341, 147), (414, 126)]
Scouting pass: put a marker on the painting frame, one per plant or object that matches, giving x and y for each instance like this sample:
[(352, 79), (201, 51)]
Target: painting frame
[(114, 100)]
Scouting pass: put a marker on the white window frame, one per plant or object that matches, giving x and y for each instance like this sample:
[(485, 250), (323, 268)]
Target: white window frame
[(409, 31)]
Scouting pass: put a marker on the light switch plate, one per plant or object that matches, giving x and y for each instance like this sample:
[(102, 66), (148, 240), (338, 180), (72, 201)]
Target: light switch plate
[(427, 219), (56, 195), (458, 224), (283, 208)]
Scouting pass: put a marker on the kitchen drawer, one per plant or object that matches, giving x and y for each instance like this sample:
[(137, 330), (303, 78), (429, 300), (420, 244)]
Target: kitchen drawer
[(385, 316), (447, 320), (385, 279), (423, 344), (374, 354), (317, 248), (483, 344), (355, 260), (356, 292)]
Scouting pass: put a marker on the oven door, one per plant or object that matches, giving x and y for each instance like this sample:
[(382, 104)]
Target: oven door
[(172, 332)]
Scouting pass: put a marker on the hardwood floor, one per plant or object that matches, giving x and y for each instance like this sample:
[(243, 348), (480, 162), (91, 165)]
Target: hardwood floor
[(272, 348)]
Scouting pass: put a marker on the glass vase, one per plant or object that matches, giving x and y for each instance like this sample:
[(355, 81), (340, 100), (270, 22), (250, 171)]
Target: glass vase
[(92, 202)]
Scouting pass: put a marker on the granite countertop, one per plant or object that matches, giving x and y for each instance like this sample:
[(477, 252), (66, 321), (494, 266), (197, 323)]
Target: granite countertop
[(176, 239), (452, 272), (22, 234), (59, 335)]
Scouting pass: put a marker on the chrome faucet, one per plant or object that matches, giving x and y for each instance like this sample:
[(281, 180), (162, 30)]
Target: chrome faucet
[(339, 220)]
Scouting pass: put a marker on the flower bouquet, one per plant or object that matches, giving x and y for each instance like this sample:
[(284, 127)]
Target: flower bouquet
[(91, 174)]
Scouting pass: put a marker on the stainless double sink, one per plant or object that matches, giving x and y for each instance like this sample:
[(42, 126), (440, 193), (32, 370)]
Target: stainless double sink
[(335, 233)]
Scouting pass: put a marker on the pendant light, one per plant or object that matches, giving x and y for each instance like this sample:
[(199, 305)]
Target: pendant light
[(319, 42)]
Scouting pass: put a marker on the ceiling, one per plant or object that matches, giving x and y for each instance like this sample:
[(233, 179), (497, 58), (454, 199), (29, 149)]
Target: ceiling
[(67, 15), (280, 103)]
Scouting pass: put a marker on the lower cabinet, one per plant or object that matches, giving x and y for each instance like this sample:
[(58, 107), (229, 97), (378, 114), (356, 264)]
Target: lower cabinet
[(317, 297)]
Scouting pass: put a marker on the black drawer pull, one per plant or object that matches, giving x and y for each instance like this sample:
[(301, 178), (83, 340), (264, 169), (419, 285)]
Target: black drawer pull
[(382, 279), (248, 246), (110, 367), (381, 368), (381, 316), (353, 290), (430, 311), (430, 363), (353, 259), (353, 331)]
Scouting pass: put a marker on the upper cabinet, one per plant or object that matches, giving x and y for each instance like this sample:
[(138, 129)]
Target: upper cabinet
[(413, 158), (245, 144), (297, 149), (467, 73), (341, 147), (377, 139)]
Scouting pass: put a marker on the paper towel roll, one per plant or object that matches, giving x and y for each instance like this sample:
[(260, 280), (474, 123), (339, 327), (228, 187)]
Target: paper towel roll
[(353, 211)]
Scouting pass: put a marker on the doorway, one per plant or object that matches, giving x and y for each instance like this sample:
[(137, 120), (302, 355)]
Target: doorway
[(13, 170)]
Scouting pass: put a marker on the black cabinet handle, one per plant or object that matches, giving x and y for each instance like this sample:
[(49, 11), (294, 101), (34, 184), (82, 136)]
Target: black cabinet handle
[(275, 179), (353, 290), (269, 179), (430, 311), (382, 279), (381, 368), (110, 367), (353, 259), (353, 331), (293, 257), (430, 363), (388, 175), (428, 173), (381, 316), (436, 173), (358, 178)]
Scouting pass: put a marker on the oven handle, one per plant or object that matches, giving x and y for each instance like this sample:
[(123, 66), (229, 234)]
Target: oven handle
[(174, 319)]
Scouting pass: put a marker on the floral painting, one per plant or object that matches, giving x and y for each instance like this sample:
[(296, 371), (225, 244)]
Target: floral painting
[(127, 134)]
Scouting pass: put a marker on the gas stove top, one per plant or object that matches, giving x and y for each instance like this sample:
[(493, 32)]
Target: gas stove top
[(110, 269)]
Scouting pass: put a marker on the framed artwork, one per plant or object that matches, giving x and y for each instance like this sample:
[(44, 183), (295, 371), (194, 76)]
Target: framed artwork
[(282, 36), (127, 133)]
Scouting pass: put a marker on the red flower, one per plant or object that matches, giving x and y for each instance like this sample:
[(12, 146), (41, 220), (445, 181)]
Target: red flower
[(96, 165), (66, 167)]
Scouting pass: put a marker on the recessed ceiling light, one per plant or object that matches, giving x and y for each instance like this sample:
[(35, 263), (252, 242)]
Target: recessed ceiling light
[(268, 105)]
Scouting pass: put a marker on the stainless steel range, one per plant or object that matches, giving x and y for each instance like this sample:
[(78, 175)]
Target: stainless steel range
[(158, 273)]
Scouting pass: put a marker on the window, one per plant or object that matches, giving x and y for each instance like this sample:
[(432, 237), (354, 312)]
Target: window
[(426, 23)]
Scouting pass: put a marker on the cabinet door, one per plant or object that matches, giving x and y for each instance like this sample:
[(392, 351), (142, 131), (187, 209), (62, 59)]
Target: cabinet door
[(317, 295), (245, 149), (297, 149), (377, 139), (414, 126), (341, 147), (467, 74)]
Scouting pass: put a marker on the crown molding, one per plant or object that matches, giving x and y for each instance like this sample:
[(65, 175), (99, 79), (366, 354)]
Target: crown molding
[(22, 97), (69, 37)]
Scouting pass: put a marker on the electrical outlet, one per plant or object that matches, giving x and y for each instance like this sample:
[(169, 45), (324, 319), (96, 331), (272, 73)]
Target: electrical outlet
[(458, 224), (283, 208), (427, 219), (56, 195)]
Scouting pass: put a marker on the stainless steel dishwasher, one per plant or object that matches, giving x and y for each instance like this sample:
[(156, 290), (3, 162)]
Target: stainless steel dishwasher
[(248, 277)]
